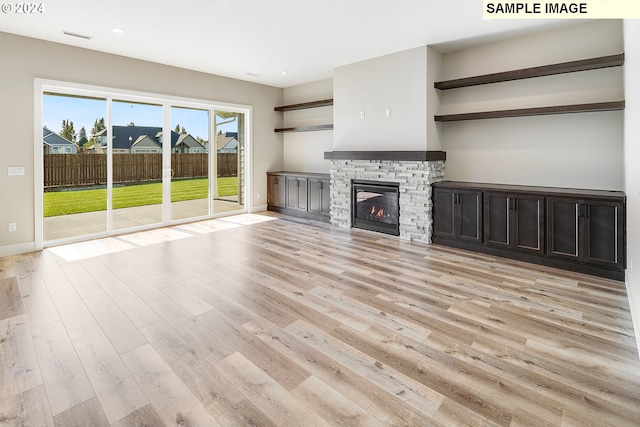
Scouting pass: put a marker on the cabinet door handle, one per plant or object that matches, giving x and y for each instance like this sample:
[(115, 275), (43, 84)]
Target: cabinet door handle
[(319, 185), (584, 211), (510, 203), (456, 198), (275, 180), (297, 183), (515, 204)]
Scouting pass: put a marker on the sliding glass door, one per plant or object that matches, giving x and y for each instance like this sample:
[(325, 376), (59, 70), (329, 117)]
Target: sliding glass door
[(137, 164), (189, 163), (229, 161), (74, 166), (114, 162)]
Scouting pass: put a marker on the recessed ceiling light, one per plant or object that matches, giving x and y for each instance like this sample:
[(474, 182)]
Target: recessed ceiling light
[(253, 74), (118, 30), (284, 73)]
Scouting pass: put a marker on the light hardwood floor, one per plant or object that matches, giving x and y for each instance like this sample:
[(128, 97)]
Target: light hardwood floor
[(270, 321)]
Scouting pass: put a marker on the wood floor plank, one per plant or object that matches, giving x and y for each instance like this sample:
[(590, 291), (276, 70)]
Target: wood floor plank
[(71, 308), (10, 298), (271, 398), (115, 388), (38, 305), (29, 408), (122, 333), (64, 377), (88, 413), (143, 417), (19, 367), (84, 284), (131, 305), (333, 406), (173, 401)]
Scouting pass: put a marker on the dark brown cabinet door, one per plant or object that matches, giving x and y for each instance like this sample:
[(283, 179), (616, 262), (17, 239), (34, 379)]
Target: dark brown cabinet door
[(497, 221), (563, 228), (603, 231), (444, 213), (319, 196), (296, 193), (276, 190), (528, 222), (469, 215), (457, 214)]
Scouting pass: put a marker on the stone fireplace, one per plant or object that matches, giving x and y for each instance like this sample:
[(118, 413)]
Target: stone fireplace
[(412, 171)]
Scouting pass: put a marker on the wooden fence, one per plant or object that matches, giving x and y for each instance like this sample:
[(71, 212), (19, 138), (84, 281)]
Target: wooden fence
[(69, 170)]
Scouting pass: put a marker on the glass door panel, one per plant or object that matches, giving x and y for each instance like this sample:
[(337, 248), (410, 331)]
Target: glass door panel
[(228, 188), (189, 163), (74, 166), (137, 141)]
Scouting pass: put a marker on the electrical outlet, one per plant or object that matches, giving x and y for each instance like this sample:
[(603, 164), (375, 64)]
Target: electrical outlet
[(362, 114), (12, 227), (387, 112), (257, 195)]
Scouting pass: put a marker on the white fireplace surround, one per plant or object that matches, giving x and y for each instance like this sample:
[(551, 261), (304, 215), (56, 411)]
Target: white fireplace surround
[(414, 178)]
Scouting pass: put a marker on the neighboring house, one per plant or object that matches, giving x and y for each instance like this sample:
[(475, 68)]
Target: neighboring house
[(145, 139), (227, 142), (52, 143)]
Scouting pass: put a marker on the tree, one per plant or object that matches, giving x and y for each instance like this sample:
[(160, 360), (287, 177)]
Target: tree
[(82, 137), (180, 129), (68, 131), (98, 126), (131, 124)]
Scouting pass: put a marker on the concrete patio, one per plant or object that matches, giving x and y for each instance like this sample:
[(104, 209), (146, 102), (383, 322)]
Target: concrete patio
[(75, 225)]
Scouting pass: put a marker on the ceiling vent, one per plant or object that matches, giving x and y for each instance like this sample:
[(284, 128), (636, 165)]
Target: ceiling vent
[(81, 36)]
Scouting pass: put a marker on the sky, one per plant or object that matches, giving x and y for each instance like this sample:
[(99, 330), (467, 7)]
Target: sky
[(85, 111)]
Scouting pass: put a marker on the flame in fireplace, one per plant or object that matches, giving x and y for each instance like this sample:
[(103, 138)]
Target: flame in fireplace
[(377, 213)]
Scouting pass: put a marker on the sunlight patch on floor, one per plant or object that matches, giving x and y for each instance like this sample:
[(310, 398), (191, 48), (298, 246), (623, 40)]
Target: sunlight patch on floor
[(83, 250)]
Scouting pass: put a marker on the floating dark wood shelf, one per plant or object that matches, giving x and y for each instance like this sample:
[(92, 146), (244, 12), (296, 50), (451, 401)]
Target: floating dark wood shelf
[(304, 128), (526, 73), (304, 105), (539, 111)]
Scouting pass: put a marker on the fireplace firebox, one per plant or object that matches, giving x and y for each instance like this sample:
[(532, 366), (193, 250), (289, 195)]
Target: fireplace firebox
[(375, 206)]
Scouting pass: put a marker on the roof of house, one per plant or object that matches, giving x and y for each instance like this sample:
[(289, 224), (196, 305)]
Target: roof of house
[(51, 138), (227, 140), (126, 136)]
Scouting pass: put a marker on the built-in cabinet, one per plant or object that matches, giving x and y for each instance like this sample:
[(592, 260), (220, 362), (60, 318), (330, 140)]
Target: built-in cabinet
[(459, 213), (514, 221), (578, 230), (299, 194)]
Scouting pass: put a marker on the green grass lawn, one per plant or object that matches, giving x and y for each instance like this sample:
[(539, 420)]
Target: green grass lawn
[(70, 202)]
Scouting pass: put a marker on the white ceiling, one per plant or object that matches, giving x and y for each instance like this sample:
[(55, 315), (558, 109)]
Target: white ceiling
[(306, 38)]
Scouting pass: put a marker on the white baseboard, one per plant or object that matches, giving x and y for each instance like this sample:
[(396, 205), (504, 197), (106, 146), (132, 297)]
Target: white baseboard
[(21, 248), (260, 208), (635, 310)]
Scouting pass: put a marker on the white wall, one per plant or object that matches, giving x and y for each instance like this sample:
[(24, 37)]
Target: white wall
[(304, 151), (397, 82), (631, 165), (25, 59), (574, 150)]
